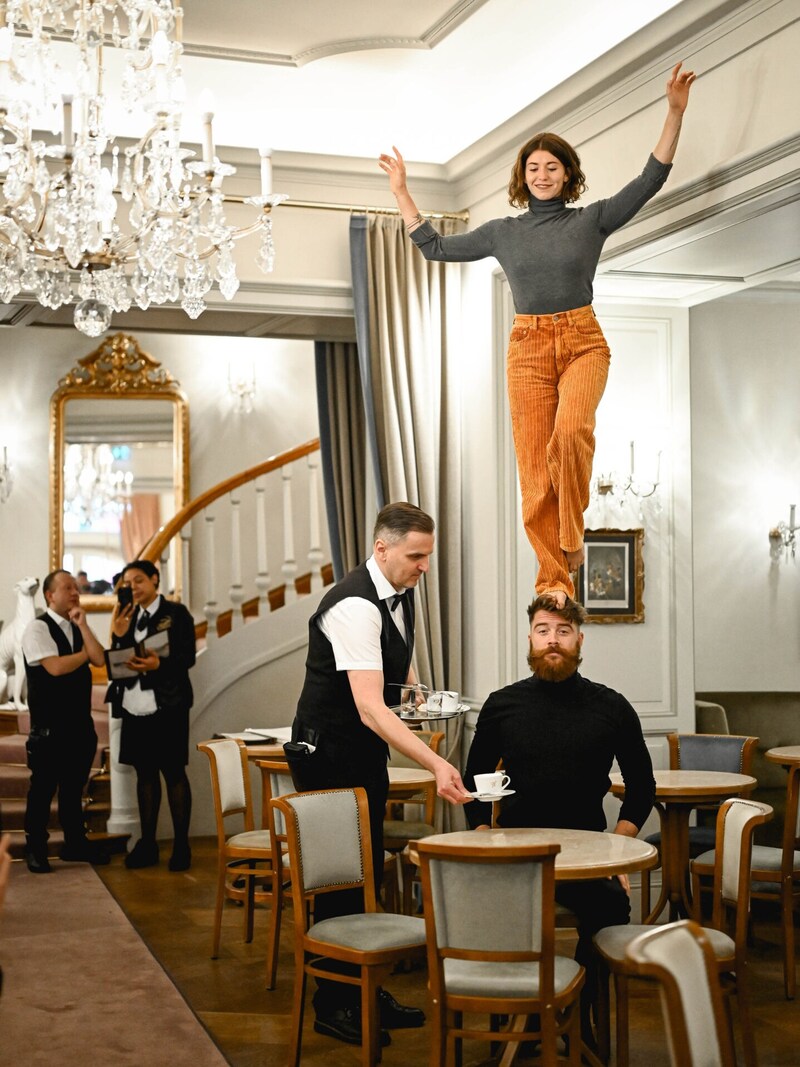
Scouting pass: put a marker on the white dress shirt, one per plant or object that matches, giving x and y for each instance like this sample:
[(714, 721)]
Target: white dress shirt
[(37, 641), (138, 701)]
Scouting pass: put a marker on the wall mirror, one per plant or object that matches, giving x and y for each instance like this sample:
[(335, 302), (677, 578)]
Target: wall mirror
[(119, 464)]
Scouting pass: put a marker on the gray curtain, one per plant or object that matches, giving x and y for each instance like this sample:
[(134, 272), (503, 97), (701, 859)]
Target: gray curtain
[(342, 432), (407, 325)]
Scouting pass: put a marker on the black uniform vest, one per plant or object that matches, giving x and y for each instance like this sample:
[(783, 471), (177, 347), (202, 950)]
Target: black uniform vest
[(60, 704), (326, 711)]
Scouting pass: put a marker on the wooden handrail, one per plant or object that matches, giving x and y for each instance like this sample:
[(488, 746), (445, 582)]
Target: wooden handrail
[(156, 545)]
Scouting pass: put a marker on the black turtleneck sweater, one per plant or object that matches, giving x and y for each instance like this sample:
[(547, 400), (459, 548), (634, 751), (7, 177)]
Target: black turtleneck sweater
[(557, 741), (550, 253)]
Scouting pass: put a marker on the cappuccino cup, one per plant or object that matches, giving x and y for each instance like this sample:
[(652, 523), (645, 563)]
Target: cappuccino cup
[(490, 784), (449, 701)]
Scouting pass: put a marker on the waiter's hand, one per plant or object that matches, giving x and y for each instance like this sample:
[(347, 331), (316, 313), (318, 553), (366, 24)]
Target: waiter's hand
[(142, 664), (449, 784)]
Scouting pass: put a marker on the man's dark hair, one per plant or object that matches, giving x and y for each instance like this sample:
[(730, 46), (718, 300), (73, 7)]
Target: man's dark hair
[(143, 565), (49, 581), (571, 612), (396, 521)]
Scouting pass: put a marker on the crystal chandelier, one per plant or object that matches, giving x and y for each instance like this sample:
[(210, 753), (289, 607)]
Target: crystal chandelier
[(617, 502), (83, 220), (782, 538), (92, 488)]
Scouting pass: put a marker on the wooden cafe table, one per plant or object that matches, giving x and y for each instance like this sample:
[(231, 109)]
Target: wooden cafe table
[(677, 793)]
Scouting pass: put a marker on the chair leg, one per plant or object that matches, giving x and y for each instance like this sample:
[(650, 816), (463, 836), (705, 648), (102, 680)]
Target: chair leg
[(370, 1024), (438, 1025), (745, 1018), (221, 876), (603, 1011), (787, 924), (249, 905), (547, 1029), (298, 1008), (645, 895), (623, 1034), (574, 1031), (274, 931)]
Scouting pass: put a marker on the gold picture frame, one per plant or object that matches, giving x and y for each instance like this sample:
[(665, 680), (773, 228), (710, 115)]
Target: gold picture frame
[(610, 582)]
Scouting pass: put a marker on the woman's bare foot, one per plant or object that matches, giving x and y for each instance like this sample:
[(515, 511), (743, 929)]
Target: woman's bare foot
[(575, 559)]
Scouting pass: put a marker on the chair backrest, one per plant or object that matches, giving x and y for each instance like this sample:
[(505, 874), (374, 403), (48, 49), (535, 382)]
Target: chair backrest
[(737, 820), (711, 752), (433, 739), (710, 718), (680, 958), (489, 903), (329, 845), (230, 781), (276, 781)]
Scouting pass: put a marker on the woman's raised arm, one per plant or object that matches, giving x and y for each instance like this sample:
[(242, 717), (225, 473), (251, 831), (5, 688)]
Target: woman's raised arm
[(678, 86), (395, 167)]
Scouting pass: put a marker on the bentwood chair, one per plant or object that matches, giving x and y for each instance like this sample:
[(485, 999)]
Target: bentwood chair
[(330, 850), (775, 874), (244, 857), (736, 822), (490, 918), (398, 830), (679, 957), (703, 752)]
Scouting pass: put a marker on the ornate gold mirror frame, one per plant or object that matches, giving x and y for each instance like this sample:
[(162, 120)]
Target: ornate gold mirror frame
[(117, 370)]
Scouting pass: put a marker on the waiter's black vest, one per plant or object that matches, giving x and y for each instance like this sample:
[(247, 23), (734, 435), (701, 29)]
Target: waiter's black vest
[(326, 707), (60, 704)]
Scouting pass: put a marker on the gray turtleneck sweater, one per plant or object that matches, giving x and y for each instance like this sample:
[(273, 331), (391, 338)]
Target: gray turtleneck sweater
[(550, 253)]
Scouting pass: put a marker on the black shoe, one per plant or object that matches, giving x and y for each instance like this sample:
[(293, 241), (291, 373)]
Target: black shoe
[(396, 1016), (85, 852), (143, 854), (345, 1025), (37, 861), (181, 858)]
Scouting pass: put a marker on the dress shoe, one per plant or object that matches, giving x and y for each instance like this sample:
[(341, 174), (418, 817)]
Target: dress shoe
[(345, 1025), (181, 858), (396, 1016), (143, 854), (37, 862), (84, 852)]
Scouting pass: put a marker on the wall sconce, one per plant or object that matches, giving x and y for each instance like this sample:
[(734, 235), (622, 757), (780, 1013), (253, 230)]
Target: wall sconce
[(616, 499), (782, 539), (242, 385), (6, 478)]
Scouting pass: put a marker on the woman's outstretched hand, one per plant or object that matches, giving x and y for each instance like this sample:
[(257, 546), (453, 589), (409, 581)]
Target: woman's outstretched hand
[(678, 86), (395, 167)]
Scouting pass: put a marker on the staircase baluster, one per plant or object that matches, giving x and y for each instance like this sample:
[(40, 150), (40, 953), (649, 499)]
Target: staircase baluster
[(289, 567), (262, 576), (236, 591), (314, 551), (211, 607), (186, 544)]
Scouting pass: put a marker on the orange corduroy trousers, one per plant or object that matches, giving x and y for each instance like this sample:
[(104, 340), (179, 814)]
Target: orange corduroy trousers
[(557, 369)]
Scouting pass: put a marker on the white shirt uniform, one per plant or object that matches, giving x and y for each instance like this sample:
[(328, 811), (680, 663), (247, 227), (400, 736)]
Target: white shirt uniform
[(37, 641), (138, 701)]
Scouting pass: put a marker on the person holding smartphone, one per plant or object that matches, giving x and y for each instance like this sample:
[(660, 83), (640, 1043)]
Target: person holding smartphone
[(154, 707)]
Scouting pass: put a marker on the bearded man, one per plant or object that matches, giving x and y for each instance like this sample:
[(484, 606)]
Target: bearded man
[(557, 735)]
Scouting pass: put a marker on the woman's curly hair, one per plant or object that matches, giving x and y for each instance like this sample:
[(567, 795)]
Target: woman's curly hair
[(518, 192)]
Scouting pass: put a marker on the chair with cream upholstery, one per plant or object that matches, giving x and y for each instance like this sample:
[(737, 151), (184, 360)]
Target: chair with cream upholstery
[(276, 781), (245, 856), (330, 850), (680, 958), (736, 822), (489, 913), (775, 874)]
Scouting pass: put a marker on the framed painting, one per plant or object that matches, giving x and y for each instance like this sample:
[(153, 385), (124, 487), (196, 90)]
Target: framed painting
[(611, 581)]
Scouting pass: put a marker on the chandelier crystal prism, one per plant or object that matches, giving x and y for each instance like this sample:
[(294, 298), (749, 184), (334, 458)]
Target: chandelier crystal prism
[(84, 219)]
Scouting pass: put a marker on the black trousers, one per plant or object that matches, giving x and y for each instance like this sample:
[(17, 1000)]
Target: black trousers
[(58, 763), (317, 772)]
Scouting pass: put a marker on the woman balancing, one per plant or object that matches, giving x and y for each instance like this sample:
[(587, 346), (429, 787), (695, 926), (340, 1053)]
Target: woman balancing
[(557, 356)]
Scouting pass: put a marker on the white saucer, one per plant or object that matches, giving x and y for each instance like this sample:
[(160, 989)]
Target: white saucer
[(486, 797)]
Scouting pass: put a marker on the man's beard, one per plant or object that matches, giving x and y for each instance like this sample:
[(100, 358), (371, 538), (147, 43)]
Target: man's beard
[(555, 670)]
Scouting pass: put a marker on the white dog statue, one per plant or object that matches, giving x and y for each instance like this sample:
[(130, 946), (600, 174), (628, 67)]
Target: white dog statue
[(12, 665)]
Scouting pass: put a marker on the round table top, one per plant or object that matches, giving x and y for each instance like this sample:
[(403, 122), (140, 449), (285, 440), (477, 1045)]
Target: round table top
[(684, 786), (786, 755), (409, 776), (584, 854)]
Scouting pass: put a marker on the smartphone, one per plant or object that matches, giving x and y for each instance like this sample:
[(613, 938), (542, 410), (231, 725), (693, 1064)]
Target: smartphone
[(124, 596)]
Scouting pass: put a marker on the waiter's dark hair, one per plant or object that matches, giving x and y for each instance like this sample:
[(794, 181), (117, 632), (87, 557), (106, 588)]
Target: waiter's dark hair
[(571, 612), (143, 565), (49, 581), (396, 521)]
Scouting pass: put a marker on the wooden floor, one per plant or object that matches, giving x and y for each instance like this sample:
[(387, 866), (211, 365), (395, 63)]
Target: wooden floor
[(173, 914)]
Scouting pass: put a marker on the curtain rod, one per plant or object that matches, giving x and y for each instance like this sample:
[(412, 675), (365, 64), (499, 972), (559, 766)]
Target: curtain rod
[(320, 205)]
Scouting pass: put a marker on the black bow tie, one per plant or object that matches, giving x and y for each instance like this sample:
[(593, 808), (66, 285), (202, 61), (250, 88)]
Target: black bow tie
[(396, 600), (144, 618)]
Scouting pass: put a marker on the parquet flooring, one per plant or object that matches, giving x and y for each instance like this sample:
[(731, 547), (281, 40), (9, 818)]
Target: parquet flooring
[(173, 914)]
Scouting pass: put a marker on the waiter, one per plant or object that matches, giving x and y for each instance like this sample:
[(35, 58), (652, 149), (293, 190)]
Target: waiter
[(360, 646)]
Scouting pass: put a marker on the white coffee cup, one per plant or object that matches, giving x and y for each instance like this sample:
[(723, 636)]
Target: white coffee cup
[(449, 701), (491, 784)]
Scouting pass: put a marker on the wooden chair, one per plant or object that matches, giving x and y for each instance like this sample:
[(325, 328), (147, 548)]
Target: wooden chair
[(489, 914), (245, 856), (680, 958), (702, 752), (276, 781), (399, 831), (736, 823), (775, 874), (330, 850)]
